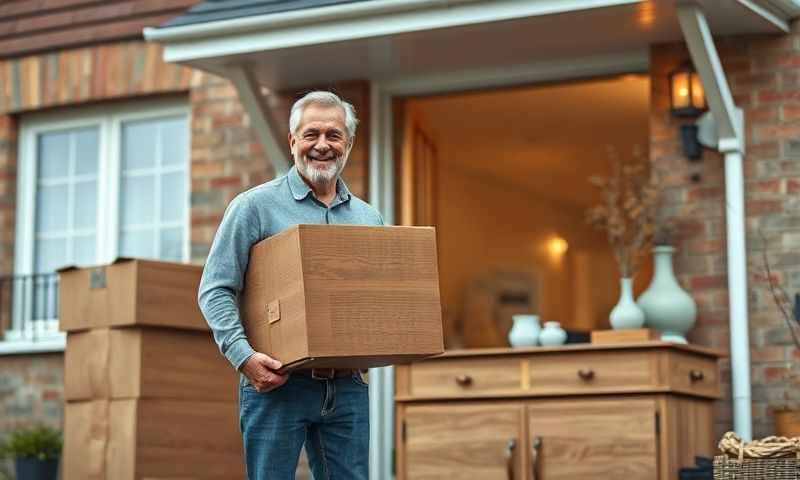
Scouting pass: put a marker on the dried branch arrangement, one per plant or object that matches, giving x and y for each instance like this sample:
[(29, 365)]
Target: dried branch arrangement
[(782, 299), (627, 214)]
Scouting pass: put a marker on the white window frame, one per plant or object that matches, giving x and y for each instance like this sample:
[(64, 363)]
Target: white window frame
[(109, 119)]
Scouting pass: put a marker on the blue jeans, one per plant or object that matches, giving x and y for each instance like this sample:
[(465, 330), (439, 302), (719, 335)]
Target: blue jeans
[(331, 417)]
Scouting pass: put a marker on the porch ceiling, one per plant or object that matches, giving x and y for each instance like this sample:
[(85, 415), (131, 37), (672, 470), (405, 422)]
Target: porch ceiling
[(442, 36)]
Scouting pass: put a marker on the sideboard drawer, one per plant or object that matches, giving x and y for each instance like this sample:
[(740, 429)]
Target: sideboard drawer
[(588, 372), (693, 374), (459, 378)]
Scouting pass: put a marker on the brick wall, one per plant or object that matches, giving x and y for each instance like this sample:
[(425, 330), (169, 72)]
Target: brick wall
[(31, 389), (765, 81)]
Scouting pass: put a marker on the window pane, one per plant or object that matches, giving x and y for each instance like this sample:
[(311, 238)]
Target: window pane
[(172, 244), (173, 196), (51, 208), (87, 149), (85, 247), (53, 155), (174, 141), (85, 205), (137, 243), (50, 254), (139, 144), (138, 200)]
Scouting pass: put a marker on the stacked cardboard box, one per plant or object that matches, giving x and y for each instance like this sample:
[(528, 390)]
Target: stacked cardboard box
[(148, 394)]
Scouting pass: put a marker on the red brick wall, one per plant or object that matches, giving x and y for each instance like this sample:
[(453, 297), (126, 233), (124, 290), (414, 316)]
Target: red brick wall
[(31, 389), (765, 81)]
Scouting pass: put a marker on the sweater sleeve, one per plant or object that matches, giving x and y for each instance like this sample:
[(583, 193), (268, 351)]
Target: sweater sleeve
[(223, 279)]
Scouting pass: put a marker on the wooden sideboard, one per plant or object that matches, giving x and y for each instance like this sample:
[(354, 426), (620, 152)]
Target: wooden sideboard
[(631, 412)]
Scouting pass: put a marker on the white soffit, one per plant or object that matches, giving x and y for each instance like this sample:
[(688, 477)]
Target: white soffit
[(382, 39)]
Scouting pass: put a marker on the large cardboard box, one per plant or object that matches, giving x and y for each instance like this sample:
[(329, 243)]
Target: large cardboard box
[(136, 439), (135, 362), (130, 292), (344, 296)]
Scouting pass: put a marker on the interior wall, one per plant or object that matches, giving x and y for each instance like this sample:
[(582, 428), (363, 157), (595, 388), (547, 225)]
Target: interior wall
[(488, 225), (511, 176)]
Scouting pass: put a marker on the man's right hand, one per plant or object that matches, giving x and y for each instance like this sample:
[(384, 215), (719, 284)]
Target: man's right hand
[(262, 369)]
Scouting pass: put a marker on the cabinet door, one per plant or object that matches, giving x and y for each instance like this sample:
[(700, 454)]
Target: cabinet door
[(593, 438), (463, 442)]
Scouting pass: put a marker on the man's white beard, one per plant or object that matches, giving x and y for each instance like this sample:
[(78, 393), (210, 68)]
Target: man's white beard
[(321, 176)]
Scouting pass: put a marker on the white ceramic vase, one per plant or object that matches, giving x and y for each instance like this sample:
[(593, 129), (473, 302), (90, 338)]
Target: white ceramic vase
[(525, 330), (552, 335), (626, 314), (667, 307)]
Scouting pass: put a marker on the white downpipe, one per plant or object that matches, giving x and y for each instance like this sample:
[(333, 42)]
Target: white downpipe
[(730, 129), (737, 288)]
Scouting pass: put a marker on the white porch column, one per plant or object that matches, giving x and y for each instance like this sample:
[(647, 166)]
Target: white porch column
[(730, 127)]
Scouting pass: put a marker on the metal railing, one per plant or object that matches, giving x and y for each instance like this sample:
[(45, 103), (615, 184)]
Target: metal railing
[(29, 307)]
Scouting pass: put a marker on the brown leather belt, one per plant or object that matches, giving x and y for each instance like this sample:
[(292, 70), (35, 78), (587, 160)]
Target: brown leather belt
[(324, 373)]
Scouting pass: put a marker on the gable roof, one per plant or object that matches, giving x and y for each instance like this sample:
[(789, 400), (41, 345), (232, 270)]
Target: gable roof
[(214, 10)]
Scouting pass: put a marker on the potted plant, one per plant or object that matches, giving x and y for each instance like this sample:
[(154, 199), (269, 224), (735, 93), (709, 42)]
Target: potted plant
[(35, 451)]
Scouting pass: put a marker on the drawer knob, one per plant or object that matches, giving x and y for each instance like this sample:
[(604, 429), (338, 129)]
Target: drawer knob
[(586, 374), (696, 375), (464, 380)]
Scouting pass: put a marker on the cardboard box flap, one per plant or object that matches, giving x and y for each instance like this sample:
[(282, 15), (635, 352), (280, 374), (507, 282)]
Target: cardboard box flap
[(67, 268)]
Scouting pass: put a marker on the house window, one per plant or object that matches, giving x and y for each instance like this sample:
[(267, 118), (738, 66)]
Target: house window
[(93, 186)]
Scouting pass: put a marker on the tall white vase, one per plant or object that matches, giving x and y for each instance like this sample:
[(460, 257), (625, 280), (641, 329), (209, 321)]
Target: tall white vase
[(626, 314), (667, 307)]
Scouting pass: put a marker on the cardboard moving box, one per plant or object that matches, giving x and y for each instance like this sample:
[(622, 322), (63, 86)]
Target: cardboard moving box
[(151, 439), (135, 362), (344, 296), (130, 292)]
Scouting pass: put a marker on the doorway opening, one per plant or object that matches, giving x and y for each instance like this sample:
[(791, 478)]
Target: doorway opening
[(504, 176)]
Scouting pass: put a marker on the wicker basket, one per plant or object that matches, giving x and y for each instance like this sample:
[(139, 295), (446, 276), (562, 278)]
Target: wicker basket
[(726, 468)]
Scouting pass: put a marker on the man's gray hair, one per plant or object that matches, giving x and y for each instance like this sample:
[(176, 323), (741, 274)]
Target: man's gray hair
[(321, 97)]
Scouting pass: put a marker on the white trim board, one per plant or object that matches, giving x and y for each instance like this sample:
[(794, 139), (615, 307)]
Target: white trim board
[(348, 22)]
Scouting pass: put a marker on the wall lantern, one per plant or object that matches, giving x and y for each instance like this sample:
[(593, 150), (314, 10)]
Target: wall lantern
[(687, 99)]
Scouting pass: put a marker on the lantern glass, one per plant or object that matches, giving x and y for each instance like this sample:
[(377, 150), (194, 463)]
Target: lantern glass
[(681, 97), (698, 95), (687, 97)]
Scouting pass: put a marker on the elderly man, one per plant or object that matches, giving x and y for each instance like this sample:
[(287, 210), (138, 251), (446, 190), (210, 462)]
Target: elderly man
[(327, 410)]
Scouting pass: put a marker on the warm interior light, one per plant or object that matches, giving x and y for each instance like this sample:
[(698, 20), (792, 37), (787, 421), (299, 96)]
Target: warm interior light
[(557, 246), (698, 95), (680, 85), (686, 92)]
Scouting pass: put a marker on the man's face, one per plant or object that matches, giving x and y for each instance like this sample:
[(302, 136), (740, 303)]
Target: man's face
[(320, 147)]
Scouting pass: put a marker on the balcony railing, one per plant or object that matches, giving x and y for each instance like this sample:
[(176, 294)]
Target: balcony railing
[(29, 313)]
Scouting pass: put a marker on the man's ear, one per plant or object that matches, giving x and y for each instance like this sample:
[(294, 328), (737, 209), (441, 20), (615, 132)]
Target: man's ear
[(290, 138)]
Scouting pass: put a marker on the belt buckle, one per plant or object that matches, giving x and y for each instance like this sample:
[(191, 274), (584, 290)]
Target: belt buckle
[(323, 373)]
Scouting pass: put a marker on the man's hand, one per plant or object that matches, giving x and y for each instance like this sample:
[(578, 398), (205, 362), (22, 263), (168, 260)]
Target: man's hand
[(261, 370)]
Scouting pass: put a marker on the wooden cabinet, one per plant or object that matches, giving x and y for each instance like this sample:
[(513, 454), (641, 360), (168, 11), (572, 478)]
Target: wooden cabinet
[(634, 411)]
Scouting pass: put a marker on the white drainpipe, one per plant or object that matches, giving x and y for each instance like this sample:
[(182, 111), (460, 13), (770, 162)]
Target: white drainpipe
[(730, 131), (737, 288)]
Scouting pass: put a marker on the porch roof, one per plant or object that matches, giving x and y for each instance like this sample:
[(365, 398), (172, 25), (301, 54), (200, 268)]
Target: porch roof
[(379, 39), (216, 10)]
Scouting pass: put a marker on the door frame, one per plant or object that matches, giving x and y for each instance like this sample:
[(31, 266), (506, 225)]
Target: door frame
[(382, 193)]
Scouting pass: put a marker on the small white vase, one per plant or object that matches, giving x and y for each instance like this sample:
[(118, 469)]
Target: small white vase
[(552, 334), (525, 331), (667, 307), (626, 314)]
